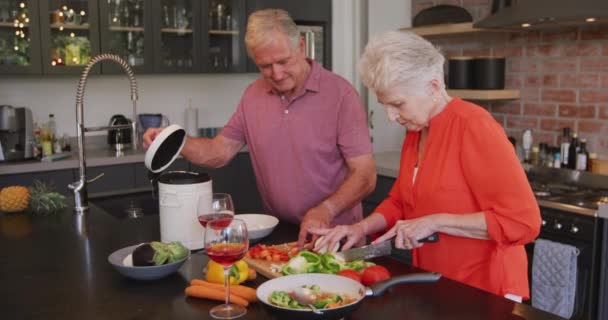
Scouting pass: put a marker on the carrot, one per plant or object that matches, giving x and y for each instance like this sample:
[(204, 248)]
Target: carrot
[(252, 274), (244, 292), (214, 294)]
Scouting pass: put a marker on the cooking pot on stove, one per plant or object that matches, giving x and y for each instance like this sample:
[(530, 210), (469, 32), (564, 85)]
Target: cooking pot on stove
[(179, 192)]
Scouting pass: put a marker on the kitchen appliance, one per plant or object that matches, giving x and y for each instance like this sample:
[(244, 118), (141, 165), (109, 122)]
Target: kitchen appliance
[(16, 133), (334, 284), (489, 73), (460, 72), (119, 139), (570, 203), (179, 192)]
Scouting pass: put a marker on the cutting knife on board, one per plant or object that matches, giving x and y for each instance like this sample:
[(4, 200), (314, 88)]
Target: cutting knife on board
[(377, 250)]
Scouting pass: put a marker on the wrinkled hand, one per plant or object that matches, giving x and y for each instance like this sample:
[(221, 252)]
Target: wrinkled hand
[(354, 235), (150, 135), (408, 232), (317, 217)]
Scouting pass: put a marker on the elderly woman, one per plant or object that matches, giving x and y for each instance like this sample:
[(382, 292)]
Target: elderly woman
[(459, 176)]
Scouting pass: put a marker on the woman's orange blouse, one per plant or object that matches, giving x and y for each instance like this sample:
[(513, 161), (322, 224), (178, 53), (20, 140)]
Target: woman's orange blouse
[(468, 166)]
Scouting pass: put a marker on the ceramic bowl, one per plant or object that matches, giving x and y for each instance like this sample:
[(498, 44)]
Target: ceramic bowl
[(121, 261), (258, 225)]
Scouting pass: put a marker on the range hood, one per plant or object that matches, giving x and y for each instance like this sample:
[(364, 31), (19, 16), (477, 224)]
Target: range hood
[(546, 14)]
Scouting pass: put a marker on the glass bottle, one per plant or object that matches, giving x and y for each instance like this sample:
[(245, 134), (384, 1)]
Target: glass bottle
[(582, 156), (565, 147), (572, 151), (52, 127)]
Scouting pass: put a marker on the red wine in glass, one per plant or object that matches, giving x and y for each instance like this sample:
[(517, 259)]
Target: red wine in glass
[(227, 254), (226, 218)]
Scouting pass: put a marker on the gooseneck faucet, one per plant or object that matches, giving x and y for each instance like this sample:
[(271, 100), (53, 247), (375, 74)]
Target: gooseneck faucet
[(81, 203)]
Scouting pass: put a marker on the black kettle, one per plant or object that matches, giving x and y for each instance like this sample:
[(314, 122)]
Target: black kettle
[(119, 139)]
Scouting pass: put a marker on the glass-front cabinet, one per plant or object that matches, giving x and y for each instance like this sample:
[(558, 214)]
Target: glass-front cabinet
[(19, 37), (177, 36), (70, 35), (126, 29), (225, 33)]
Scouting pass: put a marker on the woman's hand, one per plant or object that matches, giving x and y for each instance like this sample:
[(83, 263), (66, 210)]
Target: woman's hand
[(354, 235), (408, 232)]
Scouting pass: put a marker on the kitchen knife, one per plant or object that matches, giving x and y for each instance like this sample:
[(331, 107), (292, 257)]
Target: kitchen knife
[(376, 250)]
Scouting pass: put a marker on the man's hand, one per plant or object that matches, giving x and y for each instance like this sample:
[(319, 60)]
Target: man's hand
[(150, 135), (317, 217)]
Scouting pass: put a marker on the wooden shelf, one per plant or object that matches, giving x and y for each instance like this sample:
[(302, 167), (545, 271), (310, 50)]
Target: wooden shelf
[(224, 32), (447, 29), (484, 94), (127, 29), (70, 26), (173, 30), (11, 25)]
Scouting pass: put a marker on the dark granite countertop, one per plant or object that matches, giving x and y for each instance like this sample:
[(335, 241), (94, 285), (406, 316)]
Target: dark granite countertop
[(56, 267)]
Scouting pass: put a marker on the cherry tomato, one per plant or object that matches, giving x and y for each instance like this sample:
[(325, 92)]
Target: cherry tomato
[(349, 273), (374, 274)]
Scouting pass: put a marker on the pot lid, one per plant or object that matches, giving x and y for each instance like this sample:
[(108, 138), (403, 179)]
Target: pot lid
[(165, 148)]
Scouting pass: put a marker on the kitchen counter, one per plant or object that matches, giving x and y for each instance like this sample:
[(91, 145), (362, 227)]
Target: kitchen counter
[(56, 267)]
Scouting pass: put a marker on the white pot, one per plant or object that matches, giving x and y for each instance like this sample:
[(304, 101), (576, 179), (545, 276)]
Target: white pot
[(179, 193)]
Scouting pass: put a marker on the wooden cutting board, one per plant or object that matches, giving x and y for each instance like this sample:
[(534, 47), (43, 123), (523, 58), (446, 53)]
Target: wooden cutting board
[(264, 267)]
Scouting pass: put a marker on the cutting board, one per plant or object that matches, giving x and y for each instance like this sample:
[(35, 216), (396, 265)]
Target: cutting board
[(264, 268)]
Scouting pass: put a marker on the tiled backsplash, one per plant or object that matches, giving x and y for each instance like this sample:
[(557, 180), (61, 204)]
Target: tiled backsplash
[(562, 75)]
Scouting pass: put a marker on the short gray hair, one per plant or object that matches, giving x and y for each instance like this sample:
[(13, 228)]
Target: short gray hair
[(400, 58), (263, 22)]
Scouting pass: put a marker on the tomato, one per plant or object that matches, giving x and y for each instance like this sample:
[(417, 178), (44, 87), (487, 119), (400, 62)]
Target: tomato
[(374, 274), (349, 273)]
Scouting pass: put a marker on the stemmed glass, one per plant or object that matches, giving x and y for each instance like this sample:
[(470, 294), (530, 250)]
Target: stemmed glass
[(226, 242), (221, 207)]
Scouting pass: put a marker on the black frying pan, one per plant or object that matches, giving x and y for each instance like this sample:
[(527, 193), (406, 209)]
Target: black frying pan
[(334, 284)]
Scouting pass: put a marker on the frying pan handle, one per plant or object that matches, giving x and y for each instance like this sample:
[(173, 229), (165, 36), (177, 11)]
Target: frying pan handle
[(432, 238), (379, 288)]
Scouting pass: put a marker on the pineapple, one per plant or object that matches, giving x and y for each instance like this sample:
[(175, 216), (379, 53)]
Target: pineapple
[(45, 200), (14, 198)]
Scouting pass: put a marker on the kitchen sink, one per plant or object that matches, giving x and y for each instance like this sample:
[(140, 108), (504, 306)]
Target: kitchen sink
[(127, 205)]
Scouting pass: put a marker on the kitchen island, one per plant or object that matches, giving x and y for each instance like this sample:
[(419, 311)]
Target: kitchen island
[(56, 267)]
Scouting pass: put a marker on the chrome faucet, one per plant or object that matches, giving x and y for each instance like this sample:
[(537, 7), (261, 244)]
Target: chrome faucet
[(81, 203)]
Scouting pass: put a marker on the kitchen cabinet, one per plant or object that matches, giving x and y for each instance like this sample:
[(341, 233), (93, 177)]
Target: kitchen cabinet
[(58, 179), (126, 30), (70, 35), (224, 36), (19, 37), (115, 177)]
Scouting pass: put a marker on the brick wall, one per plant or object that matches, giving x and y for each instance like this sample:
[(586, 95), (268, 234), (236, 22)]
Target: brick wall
[(562, 75)]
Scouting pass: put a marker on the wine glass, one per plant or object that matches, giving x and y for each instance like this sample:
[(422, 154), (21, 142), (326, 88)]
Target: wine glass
[(226, 242), (221, 207)]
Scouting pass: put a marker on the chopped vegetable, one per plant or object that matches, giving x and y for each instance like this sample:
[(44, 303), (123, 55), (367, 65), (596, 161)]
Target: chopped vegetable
[(324, 300), (350, 273), (310, 262), (374, 274), (305, 262)]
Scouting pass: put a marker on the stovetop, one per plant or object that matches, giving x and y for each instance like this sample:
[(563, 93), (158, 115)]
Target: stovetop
[(571, 195)]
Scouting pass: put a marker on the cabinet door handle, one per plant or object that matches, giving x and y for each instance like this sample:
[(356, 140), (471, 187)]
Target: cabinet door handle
[(371, 119)]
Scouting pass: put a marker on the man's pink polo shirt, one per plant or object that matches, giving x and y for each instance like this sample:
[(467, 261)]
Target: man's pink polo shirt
[(298, 148)]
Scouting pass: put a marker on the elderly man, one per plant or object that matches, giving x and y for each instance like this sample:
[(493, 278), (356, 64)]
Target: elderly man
[(305, 128)]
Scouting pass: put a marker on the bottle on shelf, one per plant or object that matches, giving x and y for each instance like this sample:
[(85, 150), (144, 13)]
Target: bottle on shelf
[(534, 156), (582, 156), (572, 151), (590, 160), (52, 127), (557, 161), (565, 147)]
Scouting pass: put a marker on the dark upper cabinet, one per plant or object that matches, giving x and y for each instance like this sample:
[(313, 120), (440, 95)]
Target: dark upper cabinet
[(70, 35), (19, 37), (313, 18), (177, 36), (224, 36), (126, 29)]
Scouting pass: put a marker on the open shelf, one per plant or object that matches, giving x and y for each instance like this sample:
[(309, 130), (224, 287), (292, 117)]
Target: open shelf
[(70, 26), (174, 30), (447, 29), (224, 32), (127, 29), (11, 25), (484, 94)]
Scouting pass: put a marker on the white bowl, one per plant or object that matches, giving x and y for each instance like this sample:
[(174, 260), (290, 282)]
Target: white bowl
[(258, 225)]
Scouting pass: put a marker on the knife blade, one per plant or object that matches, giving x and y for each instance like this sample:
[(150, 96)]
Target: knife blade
[(376, 250)]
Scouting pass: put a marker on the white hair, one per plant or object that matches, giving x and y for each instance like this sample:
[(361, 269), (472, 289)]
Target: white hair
[(262, 23), (400, 58)]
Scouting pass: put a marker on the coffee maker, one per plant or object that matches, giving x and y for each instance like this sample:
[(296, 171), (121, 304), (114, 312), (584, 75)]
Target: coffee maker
[(16, 133)]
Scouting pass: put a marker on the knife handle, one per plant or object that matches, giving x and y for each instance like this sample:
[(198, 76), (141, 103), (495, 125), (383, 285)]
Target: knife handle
[(432, 238)]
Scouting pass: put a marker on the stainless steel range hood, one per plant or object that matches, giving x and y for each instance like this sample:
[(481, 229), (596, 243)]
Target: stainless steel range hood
[(546, 14)]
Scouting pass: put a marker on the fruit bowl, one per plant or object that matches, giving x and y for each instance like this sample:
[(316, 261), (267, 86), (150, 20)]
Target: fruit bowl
[(121, 261)]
